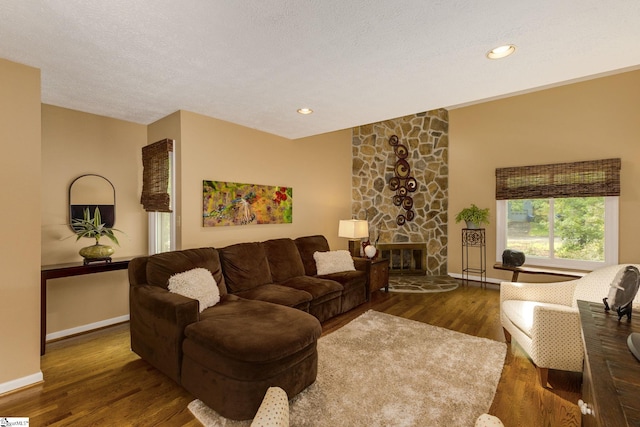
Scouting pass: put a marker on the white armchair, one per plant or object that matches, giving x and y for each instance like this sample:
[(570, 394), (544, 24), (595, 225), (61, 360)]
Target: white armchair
[(543, 318)]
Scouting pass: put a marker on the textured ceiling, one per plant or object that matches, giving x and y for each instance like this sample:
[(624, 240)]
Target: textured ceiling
[(254, 62)]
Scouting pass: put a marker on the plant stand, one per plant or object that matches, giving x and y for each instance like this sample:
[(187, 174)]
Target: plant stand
[(474, 238)]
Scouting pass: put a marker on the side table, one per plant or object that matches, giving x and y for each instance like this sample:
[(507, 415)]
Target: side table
[(378, 275)]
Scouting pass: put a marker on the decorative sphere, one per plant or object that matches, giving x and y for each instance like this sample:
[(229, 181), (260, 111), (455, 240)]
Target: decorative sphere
[(370, 251)]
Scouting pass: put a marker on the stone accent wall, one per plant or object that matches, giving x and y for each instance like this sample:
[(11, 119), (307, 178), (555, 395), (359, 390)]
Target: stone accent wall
[(426, 135)]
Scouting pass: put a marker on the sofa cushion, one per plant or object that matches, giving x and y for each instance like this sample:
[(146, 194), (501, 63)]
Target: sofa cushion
[(162, 266), (197, 283), (307, 246), (284, 259), (320, 290), (333, 262), (245, 266), (278, 294), (520, 313), (254, 331), (350, 280)]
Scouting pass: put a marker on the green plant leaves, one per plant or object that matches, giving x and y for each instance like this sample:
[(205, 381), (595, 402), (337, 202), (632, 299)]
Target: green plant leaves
[(93, 227)]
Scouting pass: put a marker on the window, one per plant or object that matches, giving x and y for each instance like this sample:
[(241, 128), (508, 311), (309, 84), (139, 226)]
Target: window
[(158, 194), (562, 215), (161, 232), (575, 232)]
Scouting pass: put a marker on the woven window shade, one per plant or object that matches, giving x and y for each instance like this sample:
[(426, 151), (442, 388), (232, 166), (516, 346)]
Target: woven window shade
[(578, 179), (155, 176)]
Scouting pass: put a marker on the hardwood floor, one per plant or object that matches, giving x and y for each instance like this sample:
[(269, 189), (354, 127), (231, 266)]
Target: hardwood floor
[(94, 379)]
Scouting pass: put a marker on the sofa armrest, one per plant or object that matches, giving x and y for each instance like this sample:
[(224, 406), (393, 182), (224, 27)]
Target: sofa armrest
[(362, 264), (556, 338), (157, 322), (554, 293), (166, 305)]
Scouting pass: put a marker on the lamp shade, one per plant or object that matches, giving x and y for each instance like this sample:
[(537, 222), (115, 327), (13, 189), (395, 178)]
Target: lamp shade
[(353, 228)]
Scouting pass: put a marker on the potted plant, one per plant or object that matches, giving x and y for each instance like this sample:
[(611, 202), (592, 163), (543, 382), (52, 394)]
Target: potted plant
[(94, 228), (473, 216)]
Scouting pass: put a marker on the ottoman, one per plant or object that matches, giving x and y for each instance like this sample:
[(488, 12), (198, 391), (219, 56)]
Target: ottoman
[(240, 349)]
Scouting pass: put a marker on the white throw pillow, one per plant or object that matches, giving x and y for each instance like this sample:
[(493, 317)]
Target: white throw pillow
[(333, 262), (197, 284)]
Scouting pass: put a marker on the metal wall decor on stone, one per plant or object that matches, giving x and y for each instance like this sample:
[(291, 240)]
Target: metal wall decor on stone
[(373, 164), (402, 183)]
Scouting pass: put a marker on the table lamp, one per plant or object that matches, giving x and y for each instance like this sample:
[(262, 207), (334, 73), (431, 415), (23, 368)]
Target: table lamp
[(353, 229)]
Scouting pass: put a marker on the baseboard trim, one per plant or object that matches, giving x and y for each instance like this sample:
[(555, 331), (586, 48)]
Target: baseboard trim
[(489, 280), (19, 383), (86, 328)]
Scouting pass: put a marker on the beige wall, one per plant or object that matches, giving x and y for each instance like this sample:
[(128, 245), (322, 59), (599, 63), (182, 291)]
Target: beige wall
[(590, 120), (19, 225), (76, 143), (318, 168)]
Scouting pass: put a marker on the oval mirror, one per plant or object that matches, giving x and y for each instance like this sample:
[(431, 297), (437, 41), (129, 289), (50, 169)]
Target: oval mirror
[(92, 191)]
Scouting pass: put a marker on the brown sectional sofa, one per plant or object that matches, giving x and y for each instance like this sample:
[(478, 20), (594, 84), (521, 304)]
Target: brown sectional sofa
[(262, 333)]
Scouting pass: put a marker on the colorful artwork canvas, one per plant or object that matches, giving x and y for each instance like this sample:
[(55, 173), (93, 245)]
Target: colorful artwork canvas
[(231, 203)]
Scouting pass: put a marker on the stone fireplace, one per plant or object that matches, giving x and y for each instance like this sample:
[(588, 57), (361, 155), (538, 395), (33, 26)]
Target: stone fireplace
[(426, 137), (405, 258)]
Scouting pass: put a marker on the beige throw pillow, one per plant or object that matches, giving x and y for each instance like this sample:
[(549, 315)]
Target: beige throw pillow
[(333, 262), (197, 284)]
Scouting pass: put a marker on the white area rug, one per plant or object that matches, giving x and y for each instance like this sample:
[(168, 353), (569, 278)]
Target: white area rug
[(382, 370), (422, 284)]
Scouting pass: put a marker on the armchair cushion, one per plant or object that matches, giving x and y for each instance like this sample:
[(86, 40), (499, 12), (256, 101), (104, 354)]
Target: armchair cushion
[(595, 285), (552, 293), (521, 313)]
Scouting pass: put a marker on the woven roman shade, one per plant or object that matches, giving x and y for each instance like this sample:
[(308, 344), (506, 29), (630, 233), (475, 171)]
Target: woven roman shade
[(577, 179), (155, 176)]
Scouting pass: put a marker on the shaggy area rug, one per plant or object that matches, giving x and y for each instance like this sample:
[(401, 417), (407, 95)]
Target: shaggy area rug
[(383, 370), (422, 284)]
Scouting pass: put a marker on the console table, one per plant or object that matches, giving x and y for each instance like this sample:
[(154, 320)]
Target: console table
[(67, 270), (611, 374), (576, 274)]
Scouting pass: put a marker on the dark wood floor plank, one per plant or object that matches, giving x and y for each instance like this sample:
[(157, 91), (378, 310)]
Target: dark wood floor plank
[(95, 379)]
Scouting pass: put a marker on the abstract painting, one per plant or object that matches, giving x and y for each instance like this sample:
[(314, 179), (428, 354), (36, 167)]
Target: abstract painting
[(232, 203)]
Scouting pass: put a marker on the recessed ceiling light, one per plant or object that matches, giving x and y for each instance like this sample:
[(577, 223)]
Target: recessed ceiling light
[(305, 111), (501, 51)]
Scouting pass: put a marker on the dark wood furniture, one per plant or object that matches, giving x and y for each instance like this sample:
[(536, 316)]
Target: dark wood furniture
[(576, 274), (56, 271), (378, 275), (611, 374)]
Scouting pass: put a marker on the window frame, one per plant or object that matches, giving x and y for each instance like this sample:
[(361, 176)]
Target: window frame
[(611, 236)]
